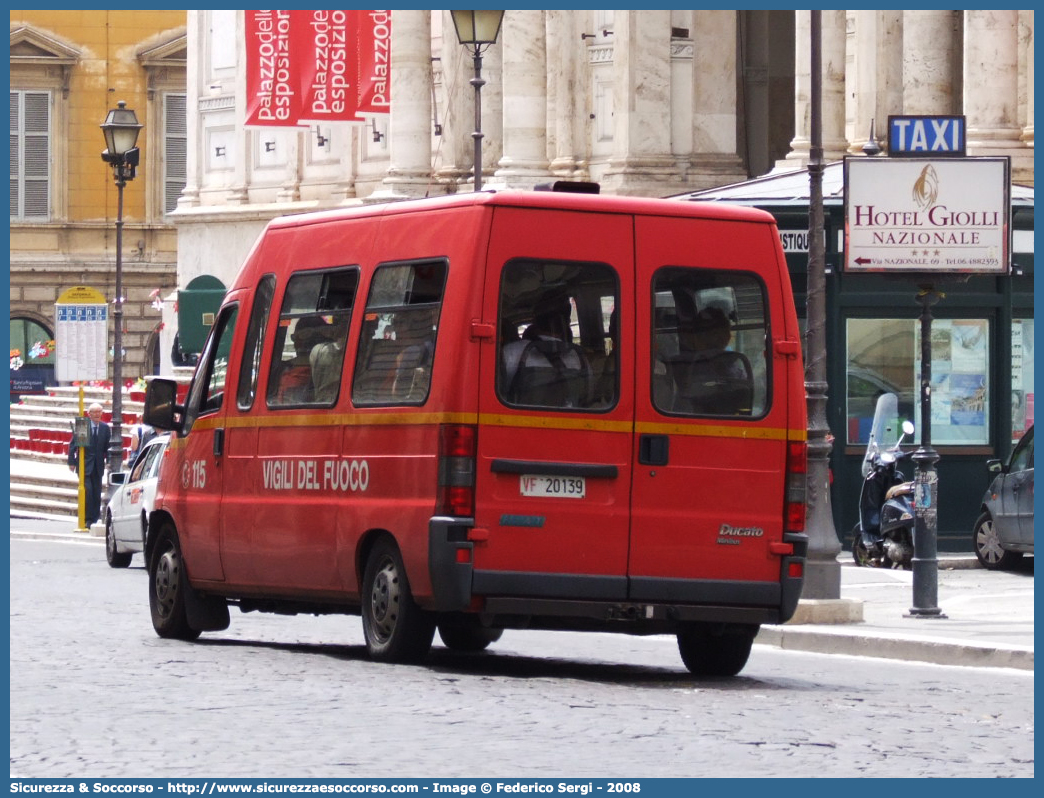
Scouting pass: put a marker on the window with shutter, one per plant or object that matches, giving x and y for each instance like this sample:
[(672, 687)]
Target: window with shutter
[(30, 155), (175, 142)]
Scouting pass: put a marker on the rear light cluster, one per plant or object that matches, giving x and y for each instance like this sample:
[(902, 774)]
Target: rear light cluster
[(797, 472), (457, 450)]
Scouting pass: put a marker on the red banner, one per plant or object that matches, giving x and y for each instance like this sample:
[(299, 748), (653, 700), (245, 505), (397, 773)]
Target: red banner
[(273, 93), (317, 66), (374, 62), (326, 40)]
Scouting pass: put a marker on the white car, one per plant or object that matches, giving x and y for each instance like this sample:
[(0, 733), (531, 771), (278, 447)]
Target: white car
[(133, 495)]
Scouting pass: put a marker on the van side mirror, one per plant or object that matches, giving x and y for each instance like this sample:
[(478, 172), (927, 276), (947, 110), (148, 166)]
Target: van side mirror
[(161, 404)]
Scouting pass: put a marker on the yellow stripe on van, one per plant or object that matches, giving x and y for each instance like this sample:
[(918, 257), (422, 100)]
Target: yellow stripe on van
[(589, 423)]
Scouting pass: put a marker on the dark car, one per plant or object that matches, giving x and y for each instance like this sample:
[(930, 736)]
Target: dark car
[(1004, 531)]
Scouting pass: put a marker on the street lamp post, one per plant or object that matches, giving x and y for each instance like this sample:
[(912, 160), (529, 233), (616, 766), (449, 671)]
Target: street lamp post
[(477, 30), (121, 129)]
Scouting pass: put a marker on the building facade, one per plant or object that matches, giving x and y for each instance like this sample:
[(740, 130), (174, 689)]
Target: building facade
[(68, 68)]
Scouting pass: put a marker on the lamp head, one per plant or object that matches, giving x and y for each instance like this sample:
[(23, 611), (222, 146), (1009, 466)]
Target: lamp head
[(478, 27), (121, 132)]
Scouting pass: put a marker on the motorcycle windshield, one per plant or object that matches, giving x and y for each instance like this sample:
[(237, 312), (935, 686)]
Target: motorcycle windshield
[(885, 427)]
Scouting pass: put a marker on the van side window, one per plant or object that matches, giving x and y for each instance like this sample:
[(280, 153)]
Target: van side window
[(310, 336), (710, 334), (255, 338), (397, 342), (208, 384), (557, 346)]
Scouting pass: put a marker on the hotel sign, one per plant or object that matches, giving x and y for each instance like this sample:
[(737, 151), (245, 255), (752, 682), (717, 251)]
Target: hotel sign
[(931, 216)]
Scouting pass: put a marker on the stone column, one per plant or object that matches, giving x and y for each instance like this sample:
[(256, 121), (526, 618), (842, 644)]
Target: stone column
[(409, 128), (524, 162), (874, 82), (564, 67), (991, 68), (715, 159), (833, 54), (835, 35), (641, 163), (1026, 20), (800, 144), (928, 61)]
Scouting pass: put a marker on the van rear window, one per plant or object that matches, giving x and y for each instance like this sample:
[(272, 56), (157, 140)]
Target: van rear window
[(397, 342), (710, 333), (557, 342)]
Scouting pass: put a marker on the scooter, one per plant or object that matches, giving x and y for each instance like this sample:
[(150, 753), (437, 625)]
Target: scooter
[(883, 538)]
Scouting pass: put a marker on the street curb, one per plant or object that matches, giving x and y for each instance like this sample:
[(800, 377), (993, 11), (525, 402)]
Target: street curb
[(885, 646)]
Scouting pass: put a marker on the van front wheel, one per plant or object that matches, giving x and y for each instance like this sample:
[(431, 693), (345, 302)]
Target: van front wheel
[(168, 586), (395, 627), (707, 651)]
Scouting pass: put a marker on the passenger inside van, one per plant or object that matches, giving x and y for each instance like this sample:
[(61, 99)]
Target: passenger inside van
[(711, 379), (326, 360), (544, 368), (413, 363), (295, 378)]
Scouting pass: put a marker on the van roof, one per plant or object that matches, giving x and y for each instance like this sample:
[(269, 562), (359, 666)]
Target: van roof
[(593, 203)]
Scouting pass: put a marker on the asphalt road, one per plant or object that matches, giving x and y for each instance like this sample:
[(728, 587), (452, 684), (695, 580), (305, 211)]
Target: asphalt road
[(94, 693)]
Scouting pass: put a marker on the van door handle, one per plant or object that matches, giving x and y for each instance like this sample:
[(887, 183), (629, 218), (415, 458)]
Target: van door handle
[(653, 450), (219, 442)]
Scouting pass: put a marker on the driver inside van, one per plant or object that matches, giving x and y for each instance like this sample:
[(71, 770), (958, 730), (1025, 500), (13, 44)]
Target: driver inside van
[(712, 379)]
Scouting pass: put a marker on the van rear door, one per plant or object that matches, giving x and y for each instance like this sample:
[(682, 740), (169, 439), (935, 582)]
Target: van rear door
[(711, 432), (553, 472)]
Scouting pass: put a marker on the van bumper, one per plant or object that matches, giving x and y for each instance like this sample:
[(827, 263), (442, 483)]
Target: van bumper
[(653, 602), (450, 558)]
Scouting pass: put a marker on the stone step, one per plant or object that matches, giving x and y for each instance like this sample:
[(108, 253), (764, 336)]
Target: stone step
[(37, 505)]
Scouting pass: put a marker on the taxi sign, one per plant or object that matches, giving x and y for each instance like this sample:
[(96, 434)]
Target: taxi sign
[(937, 136)]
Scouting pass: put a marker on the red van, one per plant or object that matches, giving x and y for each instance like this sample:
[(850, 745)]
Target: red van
[(492, 411)]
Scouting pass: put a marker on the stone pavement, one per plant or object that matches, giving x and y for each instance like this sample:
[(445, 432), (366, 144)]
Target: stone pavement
[(986, 616)]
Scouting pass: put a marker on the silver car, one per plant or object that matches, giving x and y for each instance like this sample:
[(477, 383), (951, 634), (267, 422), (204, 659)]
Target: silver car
[(133, 496), (1004, 531)]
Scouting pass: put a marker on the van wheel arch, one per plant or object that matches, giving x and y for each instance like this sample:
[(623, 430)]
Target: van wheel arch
[(157, 519), (362, 552)]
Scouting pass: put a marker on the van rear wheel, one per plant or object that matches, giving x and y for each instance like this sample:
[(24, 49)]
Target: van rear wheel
[(709, 651), (168, 587), (464, 632), (395, 627)]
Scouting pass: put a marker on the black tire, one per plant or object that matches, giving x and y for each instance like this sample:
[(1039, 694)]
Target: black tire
[(395, 628), (168, 586), (861, 555), (988, 547), (710, 652), (464, 632), (144, 532), (116, 559)]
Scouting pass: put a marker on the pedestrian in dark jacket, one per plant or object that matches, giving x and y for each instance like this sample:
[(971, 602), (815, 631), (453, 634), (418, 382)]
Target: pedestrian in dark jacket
[(95, 454)]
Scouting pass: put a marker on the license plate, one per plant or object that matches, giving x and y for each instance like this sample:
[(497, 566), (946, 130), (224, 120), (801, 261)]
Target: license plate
[(553, 487)]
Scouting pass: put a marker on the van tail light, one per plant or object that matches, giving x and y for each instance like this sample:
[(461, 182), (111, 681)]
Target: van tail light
[(457, 450), (797, 471)]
